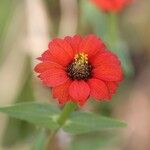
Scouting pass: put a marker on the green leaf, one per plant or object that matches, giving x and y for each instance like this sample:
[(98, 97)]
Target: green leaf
[(81, 122), (43, 115)]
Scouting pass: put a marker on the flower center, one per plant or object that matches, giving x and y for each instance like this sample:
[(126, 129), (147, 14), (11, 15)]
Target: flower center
[(79, 69)]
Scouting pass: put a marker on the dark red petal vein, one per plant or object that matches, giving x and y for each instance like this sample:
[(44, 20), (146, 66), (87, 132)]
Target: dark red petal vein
[(74, 42), (79, 91), (99, 90), (91, 45), (44, 66), (108, 72), (104, 59), (61, 92), (61, 51), (53, 77)]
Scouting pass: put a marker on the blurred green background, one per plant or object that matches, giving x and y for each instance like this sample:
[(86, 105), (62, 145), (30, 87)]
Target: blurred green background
[(26, 26)]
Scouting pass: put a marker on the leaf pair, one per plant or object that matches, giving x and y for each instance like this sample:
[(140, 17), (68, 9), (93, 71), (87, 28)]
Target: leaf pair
[(45, 115)]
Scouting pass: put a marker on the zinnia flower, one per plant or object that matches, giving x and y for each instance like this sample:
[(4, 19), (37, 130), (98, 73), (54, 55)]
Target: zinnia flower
[(111, 5), (78, 68)]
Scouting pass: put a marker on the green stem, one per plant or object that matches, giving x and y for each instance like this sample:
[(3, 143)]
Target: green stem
[(67, 110), (112, 28)]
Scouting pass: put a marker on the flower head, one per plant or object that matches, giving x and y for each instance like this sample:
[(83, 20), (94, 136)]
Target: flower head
[(111, 5), (78, 68)]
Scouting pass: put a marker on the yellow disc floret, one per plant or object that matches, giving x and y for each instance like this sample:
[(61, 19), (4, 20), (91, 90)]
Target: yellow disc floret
[(81, 58)]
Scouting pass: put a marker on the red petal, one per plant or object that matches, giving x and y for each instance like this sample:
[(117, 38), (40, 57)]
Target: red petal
[(47, 56), (105, 58), (61, 51), (61, 92), (53, 77), (111, 5), (108, 72), (112, 86), (41, 67), (79, 91), (107, 67), (91, 45), (74, 42), (99, 90)]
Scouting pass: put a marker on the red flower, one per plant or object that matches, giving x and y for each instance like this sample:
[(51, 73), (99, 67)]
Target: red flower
[(78, 68), (111, 5)]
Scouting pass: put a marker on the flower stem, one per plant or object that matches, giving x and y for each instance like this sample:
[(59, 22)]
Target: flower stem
[(112, 28), (67, 110)]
